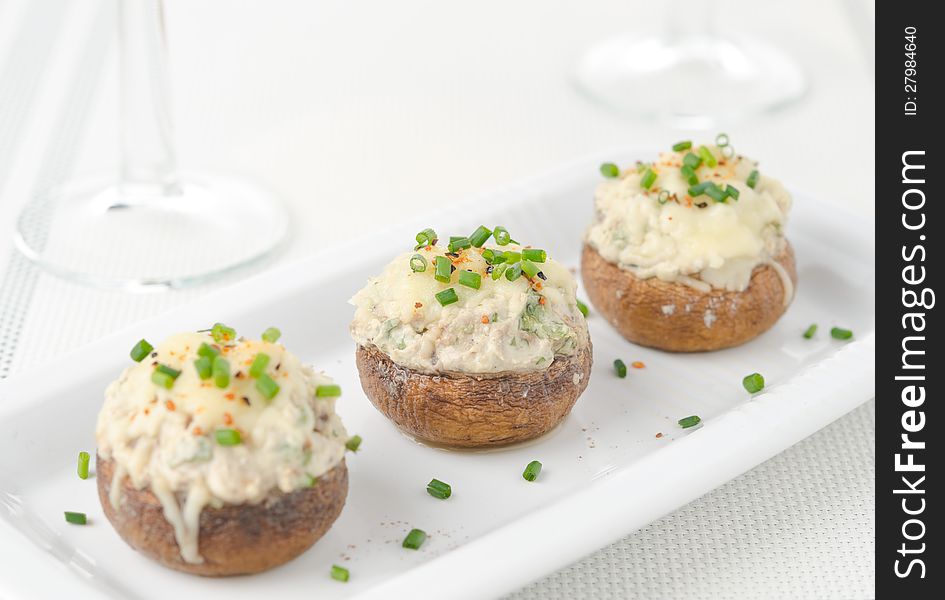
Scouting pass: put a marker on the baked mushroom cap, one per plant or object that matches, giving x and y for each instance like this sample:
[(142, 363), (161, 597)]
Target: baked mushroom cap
[(234, 539), (474, 410), (679, 318)]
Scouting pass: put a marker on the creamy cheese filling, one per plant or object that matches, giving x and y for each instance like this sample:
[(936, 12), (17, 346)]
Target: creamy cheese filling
[(691, 240), (505, 325), (164, 439)]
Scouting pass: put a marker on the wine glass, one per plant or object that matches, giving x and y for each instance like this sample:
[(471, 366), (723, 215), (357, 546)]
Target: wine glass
[(149, 226), (690, 76)]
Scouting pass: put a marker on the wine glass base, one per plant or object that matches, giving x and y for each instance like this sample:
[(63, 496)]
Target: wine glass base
[(90, 231), (696, 82)]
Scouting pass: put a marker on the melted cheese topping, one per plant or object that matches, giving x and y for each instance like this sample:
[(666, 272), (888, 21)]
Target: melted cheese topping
[(503, 326), (715, 246), (164, 438)]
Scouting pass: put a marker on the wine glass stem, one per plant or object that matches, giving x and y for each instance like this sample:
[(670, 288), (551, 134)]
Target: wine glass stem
[(148, 161)]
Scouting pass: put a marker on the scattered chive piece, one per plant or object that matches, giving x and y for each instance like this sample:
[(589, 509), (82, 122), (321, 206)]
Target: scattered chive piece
[(76, 518), (699, 188), (479, 237), (439, 489), (687, 422), (582, 307), (442, 269), (447, 297), (414, 539), (492, 257), (692, 161), (536, 255), (259, 365), (752, 180), (164, 376), (838, 333), (453, 238), (532, 470), (513, 272), (689, 174), (228, 437), (754, 383), (459, 244), (470, 279), (83, 467), (529, 268), (340, 573), (328, 391), (221, 372), (267, 386), (680, 146), (620, 368), (649, 178), (663, 197), (221, 333), (810, 331), (732, 192), (715, 192), (609, 170), (141, 349), (418, 264), (426, 237), (512, 256), (501, 235), (721, 140), (271, 335), (207, 350), (498, 271), (706, 155), (204, 366), (353, 443)]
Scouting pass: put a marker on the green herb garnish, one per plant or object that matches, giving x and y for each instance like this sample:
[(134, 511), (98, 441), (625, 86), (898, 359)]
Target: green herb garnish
[(439, 489), (610, 170), (414, 539), (532, 470), (687, 422), (267, 386), (470, 279), (838, 333), (83, 466), (340, 573), (258, 367), (447, 297), (620, 368), (810, 331), (141, 350), (76, 518), (330, 390), (680, 146), (271, 335), (228, 437), (754, 383)]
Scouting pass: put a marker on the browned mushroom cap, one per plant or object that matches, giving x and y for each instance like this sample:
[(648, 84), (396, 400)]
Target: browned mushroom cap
[(474, 410), (697, 321), (234, 539)]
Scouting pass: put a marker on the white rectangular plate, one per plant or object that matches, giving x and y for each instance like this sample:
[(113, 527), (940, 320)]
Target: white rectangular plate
[(605, 471)]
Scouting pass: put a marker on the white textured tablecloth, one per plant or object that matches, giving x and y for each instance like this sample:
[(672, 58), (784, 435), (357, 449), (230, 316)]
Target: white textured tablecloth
[(360, 112)]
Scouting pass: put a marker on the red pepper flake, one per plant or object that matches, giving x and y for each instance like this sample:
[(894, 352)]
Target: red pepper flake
[(659, 435), (170, 405), (541, 301), (637, 365), (485, 319), (198, 431), (147, 411), (230, 396), (538, 285), (418, 304), (227, 418)]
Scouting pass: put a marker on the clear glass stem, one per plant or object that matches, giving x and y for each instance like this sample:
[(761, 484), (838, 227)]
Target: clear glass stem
[(148, 161)]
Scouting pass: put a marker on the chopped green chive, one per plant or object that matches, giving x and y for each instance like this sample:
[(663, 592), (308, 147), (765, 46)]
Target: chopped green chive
[(620, 368), (752, 180), (259, 365), (330, 390), (838, 333), (414, 539), (442, 269), (689, 174), (754, 383), (427, 237), (228, 437), (501, 235), (353, 443), (498, 271), (418, 264), (221, 333), (511, 256), (721, 140), (340, 573), (164, 376), (447, 297), (680, 146), (648, 179), (715, 192), (492, 257), (513, 272), (529, 268), (732, 191), (221, 372), (692, 161), (76, 518), (687, 422), (267, 386), (532, 470), (810, 331), (470, 279), (609, 170), (83, 467), (208, 351), (536, 255), (699, 188), (459, 244), (141, 349), (479, 237), (271, 335), (706, 155), (439, 489), (204, 366), (582, 307)]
